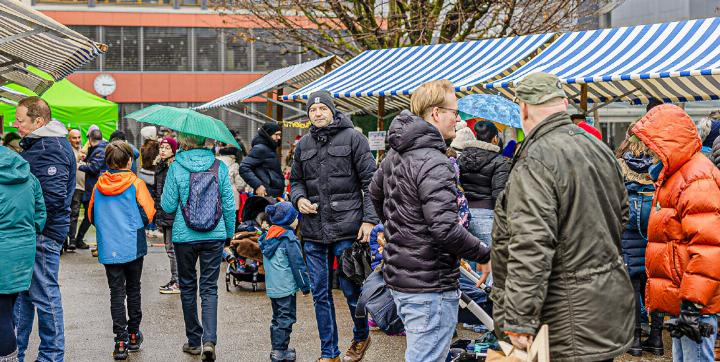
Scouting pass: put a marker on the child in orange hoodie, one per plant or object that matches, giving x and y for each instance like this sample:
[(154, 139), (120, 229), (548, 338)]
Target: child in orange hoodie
[(120, 208)]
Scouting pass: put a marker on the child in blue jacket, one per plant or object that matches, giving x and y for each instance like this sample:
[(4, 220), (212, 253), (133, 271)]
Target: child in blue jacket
[(120, 207), (285, 274)]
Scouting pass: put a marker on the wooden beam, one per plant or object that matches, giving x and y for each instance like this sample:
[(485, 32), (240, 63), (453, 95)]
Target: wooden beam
[(381, 114), (279, 117), (584, 97)]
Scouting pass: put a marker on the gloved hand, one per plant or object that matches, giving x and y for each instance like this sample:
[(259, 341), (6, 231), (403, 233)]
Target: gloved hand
[(688, 324)]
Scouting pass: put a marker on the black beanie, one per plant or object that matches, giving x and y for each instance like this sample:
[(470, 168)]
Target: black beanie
[(120, 135), (271, 127), (323, 97)]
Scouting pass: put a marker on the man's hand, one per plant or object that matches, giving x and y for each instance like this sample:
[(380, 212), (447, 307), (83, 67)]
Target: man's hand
[(260, 191), (306, 207), (485, 269), (521, 341), (364, 232)]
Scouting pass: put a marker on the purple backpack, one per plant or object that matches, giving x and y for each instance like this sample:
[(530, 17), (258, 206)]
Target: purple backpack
[(202, 211)]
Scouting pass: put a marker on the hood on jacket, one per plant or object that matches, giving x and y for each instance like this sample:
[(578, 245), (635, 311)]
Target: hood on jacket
[(340, 122), (52, 129), (15, 169), (669, 132), (197, 160), (265, 139), (409, 132), (273, 239), (636, 168), (113, 183)]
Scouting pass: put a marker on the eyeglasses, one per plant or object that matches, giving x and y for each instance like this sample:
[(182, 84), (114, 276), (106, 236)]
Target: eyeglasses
[(454, 111)]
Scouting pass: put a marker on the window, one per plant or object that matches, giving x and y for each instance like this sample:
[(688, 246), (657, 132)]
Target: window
[(123, 48), (207, 49), (92, 33), (237, 52), (166, 49), (271, 56)]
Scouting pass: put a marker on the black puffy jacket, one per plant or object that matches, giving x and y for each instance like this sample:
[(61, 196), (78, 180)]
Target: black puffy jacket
[(414, 193), (483, 171), (262, 166), (333, 167), (161, 217), (93, 167)]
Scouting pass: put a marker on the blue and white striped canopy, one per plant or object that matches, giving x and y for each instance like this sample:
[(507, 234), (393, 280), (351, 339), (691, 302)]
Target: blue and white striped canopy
[(399, 71), (675, 62), (270, 81)]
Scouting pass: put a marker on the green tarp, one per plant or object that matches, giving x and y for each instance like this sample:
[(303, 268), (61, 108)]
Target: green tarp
[(70, 105)]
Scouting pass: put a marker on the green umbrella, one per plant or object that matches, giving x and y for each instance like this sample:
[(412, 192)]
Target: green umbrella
[(186, 121)]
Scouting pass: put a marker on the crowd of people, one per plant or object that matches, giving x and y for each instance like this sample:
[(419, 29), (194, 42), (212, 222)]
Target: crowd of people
[(595, 244)]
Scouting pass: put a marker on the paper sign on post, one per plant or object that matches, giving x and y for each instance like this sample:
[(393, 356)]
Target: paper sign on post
[(377, 140)]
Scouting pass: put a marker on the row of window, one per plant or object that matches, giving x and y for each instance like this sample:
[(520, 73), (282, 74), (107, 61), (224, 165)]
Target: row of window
[(187, 49)]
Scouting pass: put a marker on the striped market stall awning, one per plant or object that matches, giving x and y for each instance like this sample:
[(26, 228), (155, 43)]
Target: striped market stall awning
[(27, 37), (397, 72), (293, 75), (673, 62)]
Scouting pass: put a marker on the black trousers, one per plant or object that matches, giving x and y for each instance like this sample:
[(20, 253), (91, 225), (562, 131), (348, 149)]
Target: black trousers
[(8, 341), (84, 225), (75, 213), (124, 281)]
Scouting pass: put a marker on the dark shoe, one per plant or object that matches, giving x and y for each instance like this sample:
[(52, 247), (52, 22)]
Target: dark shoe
[(208, 351), (80, 244), (136, 339), (654, 343), (277, 355), (636, 349), (170, 288), (121, 351), (69, 246), (357, 350), (290, 354), (193, 350)]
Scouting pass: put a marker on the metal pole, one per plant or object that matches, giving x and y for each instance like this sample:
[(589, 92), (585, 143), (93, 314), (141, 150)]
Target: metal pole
[(279, 117)]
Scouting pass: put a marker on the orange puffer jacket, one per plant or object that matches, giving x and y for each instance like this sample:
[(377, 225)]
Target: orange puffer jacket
[(683, 252)]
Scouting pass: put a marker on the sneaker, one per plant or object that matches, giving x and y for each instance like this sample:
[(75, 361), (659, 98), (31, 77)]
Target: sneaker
[(208, 351), (136, 339), (373, 326), (170, 288), (94, 252), (193, 350), (121, 351)]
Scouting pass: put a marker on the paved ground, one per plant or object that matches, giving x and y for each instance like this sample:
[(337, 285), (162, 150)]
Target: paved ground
[(244, 318)]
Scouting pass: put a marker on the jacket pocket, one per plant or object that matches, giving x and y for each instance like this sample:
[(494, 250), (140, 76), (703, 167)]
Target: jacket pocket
[(309, 163), (339, 161)]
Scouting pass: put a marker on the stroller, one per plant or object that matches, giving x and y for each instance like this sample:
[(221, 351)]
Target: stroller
[(243, 256)]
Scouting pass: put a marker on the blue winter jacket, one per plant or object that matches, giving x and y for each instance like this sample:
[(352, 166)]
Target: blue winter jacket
[(52, 162), (285, 270), (120, 208), (177, 190), (94, 167), (640, 192), (22, 217)]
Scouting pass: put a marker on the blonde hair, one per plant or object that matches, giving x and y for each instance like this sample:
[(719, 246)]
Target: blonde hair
[(429, 95), (190, 141)]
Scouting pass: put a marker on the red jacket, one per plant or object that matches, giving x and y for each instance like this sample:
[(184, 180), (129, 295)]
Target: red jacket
[(683, 252)]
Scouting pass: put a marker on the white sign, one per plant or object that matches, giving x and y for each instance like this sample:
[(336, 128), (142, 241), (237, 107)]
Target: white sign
[(377, 140)]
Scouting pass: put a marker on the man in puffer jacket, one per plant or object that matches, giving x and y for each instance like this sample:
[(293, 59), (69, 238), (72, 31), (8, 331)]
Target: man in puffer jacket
[(261, 168), (556, 238), (52, 161), (683, 247), (331, 173), (415, 194)]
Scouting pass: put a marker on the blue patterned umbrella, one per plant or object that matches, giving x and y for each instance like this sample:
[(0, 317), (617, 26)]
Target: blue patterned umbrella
[(492, 108)]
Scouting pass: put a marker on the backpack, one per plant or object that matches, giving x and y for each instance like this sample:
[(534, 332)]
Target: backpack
[(202, 211)]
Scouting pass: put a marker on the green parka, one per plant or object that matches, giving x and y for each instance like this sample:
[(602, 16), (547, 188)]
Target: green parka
[(556, 245), (22, 217)]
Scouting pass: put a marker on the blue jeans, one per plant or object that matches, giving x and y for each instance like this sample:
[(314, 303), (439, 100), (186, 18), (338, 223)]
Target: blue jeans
[(210, 255), (481, 225), (284, 316), (686, 350), (430, 320), (43, 295), (319, 258)]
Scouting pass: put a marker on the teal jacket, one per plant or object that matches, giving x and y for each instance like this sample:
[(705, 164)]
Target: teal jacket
[(177, 190), (22, 217), (285, 270)]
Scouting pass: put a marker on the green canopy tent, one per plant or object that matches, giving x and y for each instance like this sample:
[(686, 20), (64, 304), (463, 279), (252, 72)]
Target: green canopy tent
[(70, 105)]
